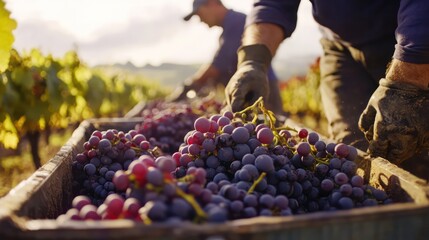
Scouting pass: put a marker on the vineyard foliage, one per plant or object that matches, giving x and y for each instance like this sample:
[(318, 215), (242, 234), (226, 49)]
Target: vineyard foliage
[(302, 101), (39, 91)]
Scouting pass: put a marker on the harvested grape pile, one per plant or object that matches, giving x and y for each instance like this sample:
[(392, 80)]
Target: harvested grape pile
[(226, 167)]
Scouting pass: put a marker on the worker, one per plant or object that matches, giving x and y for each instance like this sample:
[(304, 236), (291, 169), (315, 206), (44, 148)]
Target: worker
[(224, 63), (361, 99)]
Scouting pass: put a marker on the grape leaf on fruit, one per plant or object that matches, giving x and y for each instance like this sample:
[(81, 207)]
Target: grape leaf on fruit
[(7, 25)]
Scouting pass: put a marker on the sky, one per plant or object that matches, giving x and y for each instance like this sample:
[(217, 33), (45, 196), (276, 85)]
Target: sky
[(140, 31)]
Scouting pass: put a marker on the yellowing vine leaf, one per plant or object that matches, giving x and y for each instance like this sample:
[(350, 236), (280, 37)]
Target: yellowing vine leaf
[(7, 25)]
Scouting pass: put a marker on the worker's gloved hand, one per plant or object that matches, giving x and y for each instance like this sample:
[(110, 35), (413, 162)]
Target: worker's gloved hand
[(250, 80), (396, 121)]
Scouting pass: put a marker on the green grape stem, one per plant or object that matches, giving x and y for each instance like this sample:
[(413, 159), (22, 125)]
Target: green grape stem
[(252, 188), (191, 200)]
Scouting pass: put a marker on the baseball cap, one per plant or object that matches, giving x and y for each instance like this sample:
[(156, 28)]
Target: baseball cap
[(195, 5)]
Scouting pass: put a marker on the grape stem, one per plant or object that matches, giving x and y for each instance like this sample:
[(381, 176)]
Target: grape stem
[(187, 178), (252, 188), (191, 200), (269, 118)]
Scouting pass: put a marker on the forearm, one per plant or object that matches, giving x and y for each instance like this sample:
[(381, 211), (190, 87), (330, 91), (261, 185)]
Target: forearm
[(268, 34), (415, 74)]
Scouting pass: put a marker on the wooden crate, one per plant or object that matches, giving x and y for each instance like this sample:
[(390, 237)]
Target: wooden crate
[(29, 210)]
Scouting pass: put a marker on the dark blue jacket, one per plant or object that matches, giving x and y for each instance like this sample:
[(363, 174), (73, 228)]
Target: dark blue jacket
[(359, 22)]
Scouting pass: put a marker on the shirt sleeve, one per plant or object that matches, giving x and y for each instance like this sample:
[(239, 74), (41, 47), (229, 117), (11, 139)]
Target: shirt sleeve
[(279, 12), (225, 58), (412, 33)]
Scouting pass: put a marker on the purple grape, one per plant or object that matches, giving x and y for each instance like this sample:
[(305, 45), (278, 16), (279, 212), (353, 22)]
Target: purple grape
[(341, 178), (240, 135), (353, 153), (320, 146), (369, 202), (155, 210), (109, 175), (90, 169), (248, 159), (80, 201), (253, 144), (330, 148), (346, 189), (327, 185), (240, 150), (345, 203), (349, 168), (104, 145), (121, 180), (303, 148), (250, 212), (342, 150), (181, 209), (264, 163), (209, 145), (236, 206), (312, 138), (265, 212), (226, 154), (202, 124), (235, 165), (335, 163), (89, 212), (265, 136), (165, 164), (217, 215), (229, 115), (130, 154), (93, 141), (281, 202), (194, 149), (357, 193), (357, 181), (155, 177)]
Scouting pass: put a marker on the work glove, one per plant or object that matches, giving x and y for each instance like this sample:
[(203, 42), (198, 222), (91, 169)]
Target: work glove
[(250, 80), (396, 121)]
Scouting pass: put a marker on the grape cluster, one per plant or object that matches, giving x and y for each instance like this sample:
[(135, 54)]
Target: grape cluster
[(104, 154), (165, 124), (242, 156), (150, 194), (225, 168)]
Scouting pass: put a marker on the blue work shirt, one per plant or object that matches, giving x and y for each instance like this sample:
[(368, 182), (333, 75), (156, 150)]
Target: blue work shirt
[(358, 22), (225, 59)]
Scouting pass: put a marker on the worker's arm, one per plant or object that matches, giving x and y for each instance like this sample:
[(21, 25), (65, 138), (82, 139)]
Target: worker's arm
[(396, 120), (269, 23)]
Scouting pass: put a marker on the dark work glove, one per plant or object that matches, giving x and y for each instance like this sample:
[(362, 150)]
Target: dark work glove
[(396, 121), (250, 80)]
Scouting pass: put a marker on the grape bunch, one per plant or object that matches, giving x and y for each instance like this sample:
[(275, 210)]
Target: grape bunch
[(151, 194), (165, 124), (227, 167), (263, 160), (104, 154)]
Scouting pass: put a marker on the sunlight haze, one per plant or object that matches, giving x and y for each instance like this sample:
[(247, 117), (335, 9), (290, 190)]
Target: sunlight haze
[(113, 31)]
